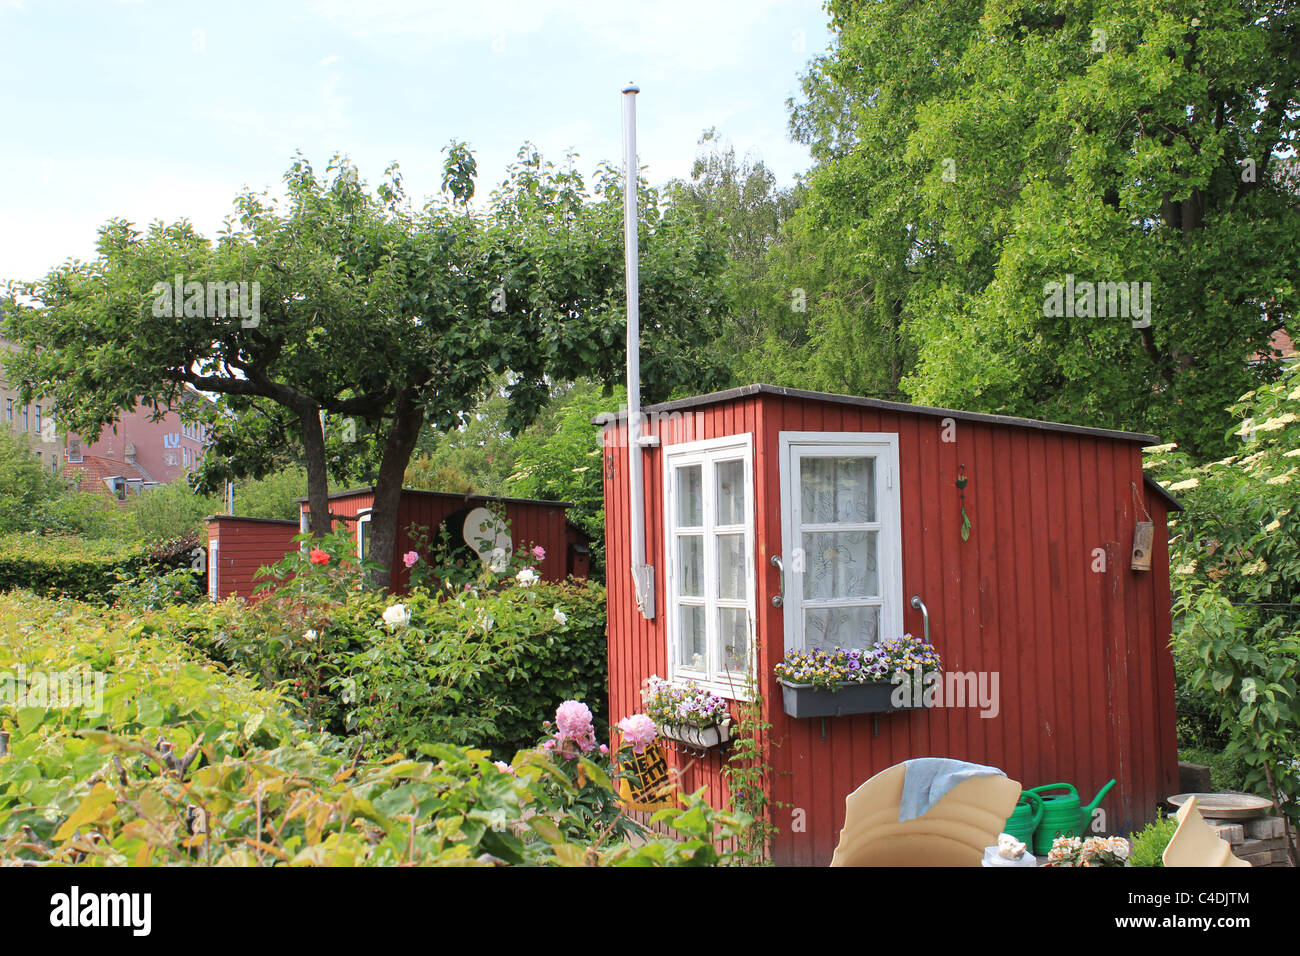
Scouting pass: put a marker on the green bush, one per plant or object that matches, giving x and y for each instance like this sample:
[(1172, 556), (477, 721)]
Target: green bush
[(66, 565), (480, 666), (185, 763), (273, 496), (1227, 771), (1148, 844), (172, 511)]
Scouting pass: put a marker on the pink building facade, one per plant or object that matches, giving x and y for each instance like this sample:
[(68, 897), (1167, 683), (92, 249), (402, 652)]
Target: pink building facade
[(148, 452)]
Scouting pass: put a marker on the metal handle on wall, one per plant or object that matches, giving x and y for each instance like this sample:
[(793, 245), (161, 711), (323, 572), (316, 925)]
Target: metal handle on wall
[(779, 599), (919, 605)]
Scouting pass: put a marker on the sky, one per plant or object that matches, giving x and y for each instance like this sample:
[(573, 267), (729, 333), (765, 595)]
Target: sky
[(157, 109)]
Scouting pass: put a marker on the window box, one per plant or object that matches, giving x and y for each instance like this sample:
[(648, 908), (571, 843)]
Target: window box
[(702, 737), (804, 700)]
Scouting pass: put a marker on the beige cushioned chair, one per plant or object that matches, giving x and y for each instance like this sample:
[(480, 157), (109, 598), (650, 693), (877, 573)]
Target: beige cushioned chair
[(1195, 843), (954, 832)]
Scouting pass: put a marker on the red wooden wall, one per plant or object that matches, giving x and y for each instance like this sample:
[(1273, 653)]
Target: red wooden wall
[(1086, 678), (244, 545)]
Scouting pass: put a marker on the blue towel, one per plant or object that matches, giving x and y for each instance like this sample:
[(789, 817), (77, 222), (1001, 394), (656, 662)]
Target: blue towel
[(928, 779)]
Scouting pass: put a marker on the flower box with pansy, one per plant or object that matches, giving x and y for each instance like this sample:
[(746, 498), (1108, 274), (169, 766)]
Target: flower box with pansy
[(887, 676), (686, 714)]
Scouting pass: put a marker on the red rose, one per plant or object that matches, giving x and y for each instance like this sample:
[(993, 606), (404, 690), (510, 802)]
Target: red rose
[(318, 556)]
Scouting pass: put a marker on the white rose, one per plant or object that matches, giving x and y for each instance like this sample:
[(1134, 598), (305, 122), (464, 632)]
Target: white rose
[(309, 635), (527, 577), (397, 616), (560, 617)]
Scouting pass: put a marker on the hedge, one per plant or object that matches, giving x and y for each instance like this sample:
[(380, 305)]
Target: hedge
[(66, 566)]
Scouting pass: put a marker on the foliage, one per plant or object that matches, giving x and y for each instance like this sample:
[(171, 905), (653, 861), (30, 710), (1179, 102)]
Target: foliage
[(452, 302), (152, 587), (1148, 844), (559, 459), (748, 775), (1236, 576), (478, 666), (190, 765), (1227, 772), (273, 495), (173, 510), (66, 565), (970, 154)]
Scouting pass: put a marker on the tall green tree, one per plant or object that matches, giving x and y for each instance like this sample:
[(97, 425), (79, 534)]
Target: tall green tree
[(372, 316), (970, 155)]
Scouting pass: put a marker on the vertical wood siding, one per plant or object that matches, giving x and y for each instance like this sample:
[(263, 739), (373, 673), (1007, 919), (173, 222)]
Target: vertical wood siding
[(1085, 673), (243, 546)]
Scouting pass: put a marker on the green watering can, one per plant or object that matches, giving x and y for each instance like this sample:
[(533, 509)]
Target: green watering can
[(1062, 814), (1025, 817)]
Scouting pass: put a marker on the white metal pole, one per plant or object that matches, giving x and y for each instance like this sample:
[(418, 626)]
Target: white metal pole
[(642, 574)]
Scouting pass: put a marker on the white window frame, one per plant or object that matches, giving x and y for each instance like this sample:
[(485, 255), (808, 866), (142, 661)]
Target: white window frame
[(889, 555), (707, 453), (214, 564), (363, 519)]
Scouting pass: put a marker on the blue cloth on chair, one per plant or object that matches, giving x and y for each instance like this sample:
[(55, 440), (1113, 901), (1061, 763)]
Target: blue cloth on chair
[(928, 779)]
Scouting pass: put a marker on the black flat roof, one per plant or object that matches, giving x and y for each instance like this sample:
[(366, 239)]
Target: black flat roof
[(745, 391)]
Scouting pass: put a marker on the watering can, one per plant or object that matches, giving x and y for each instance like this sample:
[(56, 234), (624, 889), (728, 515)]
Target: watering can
[(1025, 817), (1062, 814)]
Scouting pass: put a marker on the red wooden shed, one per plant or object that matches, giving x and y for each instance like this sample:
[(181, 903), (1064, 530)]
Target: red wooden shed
[(238, 547), (858, 499), (531, 522)]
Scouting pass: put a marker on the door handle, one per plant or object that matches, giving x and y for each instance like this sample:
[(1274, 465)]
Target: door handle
[(919, 605), (779, 599)]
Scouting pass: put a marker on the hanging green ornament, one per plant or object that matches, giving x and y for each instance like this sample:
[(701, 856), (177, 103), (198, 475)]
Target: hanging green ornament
[(961, 495)]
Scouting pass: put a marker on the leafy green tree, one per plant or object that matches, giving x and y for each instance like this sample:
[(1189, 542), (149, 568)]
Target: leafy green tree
[(27, 490), (561, 460), (373, 316), (969, 155)]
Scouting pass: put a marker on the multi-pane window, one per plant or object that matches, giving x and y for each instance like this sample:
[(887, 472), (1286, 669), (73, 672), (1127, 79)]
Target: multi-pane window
[(842, 540), (709, 515)]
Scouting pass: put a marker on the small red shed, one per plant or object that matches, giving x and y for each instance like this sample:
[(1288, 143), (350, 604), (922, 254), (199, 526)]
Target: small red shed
[(857, 500), (531, 522), (238, 547)]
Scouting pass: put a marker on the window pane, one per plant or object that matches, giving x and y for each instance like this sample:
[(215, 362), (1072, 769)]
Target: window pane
[(690, 497), (731, 492), (841, 564), (690, 559), (830, 627), (835, 490), (733, 632), (691, 651), (731, 566)]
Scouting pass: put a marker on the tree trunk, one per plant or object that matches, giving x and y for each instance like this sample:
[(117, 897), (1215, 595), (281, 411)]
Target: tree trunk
[(318, 488), (402, 437)]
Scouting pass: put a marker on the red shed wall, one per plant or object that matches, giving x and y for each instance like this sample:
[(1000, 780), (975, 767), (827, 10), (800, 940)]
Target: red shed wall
[(243, 546), (1085, 675), (531, 523)]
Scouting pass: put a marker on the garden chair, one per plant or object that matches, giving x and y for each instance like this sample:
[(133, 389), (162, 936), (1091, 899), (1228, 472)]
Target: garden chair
[(953, 832), (1195, 843)]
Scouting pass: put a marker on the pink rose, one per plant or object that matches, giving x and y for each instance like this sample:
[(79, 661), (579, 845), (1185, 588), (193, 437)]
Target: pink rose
[(539, 552), (410, 558)]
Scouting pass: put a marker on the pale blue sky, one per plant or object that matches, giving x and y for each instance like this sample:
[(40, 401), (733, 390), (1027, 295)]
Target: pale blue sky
[(152, 109)]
